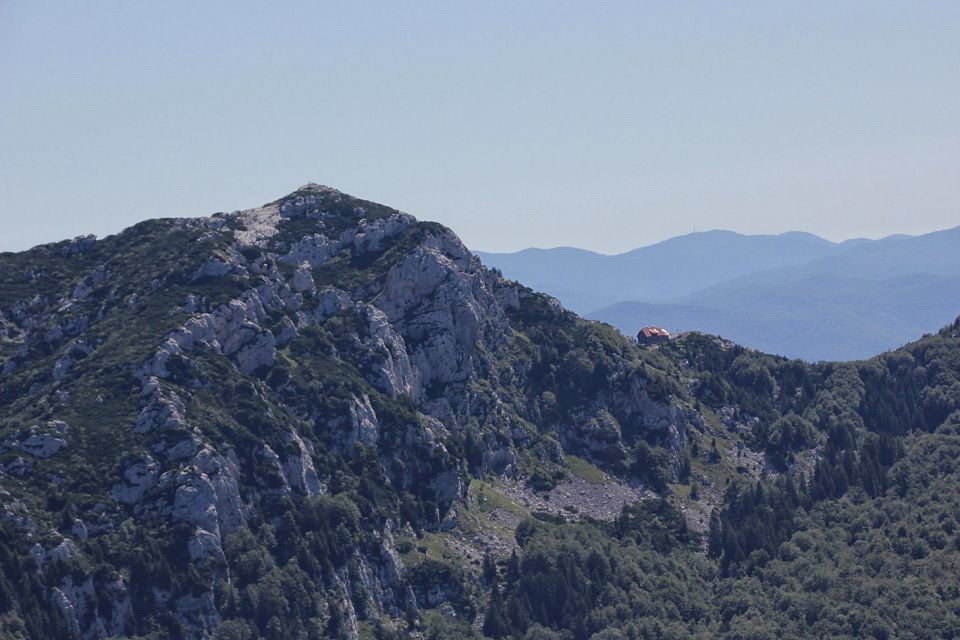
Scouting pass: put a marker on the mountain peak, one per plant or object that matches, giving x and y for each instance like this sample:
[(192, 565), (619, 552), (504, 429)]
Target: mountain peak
[(316, 187)]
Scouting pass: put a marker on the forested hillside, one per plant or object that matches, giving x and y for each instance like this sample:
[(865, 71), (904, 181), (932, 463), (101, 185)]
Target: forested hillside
[(322, 418), (866, 545)]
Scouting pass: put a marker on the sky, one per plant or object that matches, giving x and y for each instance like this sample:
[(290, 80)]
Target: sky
[(602, 125)]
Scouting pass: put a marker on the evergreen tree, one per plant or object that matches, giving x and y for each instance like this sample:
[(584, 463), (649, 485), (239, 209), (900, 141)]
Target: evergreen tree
[(715, 536), (489, 570), (495, 623)]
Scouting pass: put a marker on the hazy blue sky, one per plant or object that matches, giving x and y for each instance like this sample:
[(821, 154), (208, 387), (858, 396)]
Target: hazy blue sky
[(605, 125)]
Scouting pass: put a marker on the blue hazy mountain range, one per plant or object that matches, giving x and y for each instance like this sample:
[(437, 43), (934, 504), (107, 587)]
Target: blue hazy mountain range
[(794, 294)]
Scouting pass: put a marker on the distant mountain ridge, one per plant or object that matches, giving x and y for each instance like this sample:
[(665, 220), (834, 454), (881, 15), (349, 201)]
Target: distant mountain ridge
[(772, 292), (585, 280)]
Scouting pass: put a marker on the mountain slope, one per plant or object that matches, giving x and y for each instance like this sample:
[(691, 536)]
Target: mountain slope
[(194, 377), (322, 418)]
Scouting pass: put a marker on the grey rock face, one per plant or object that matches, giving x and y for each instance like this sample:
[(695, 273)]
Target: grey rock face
[(597, 435), (233, 329), (236, 324), (138, 478), (259, 225), (78, 350), (42, 445), (80, 244), (330, 301), (313, 250), (308, 201), (449, 487), (370, 235), (77, 600), (443, 303), (393, 372), (363, 419), (164, 411), (212, 268), (185, 447), (288, 331), (259, 352), (17, 467), (299, 470), (86, 286), (222, 475), (62, 367), (45, 441), (195, 501), (302, 279), (63, 551), (79, 530), (205, 545), (668, 421), (230, 508)]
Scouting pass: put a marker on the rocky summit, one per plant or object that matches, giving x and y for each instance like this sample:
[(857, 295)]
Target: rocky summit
[(322, 418)]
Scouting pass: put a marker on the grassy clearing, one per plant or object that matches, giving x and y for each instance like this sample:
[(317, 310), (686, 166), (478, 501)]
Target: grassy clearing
[(585, 470), (486, 498)]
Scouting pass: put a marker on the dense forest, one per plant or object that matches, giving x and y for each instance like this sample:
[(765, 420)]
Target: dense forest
[(867, 546)]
